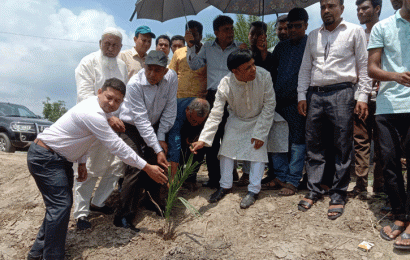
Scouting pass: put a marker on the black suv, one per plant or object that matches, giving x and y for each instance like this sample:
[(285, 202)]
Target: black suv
[(19, 127)]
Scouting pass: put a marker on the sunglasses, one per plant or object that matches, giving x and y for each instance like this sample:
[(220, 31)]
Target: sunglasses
[(296, 26)]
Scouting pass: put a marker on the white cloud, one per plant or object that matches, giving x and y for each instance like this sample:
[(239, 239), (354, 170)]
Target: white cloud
[(31, 68)]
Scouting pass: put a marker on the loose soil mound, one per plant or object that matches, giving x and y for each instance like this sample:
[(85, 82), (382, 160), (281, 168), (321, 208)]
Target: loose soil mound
[(273, 228)]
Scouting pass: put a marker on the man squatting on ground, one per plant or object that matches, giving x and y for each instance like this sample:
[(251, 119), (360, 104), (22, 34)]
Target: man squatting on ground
[(148, 113), (90, 75), (50, 161), (191, 85), (248, 91)]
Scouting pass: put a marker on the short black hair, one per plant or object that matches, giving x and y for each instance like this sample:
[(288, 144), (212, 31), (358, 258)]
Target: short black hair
[(194, 24), (281, 19), (163, 37), (375, 3), (237, 58), (178, 38), (259, 24), (340, 1), (298, 14), (114, 83), (220, 21)]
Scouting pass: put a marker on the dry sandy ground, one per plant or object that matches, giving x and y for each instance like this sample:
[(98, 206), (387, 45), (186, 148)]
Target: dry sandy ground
[(273, 228)]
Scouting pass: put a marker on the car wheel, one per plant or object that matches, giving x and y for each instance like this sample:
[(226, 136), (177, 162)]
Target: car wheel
[(5, 144)]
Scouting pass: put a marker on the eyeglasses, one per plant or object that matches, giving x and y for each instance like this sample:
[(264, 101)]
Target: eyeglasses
[(296, 26)]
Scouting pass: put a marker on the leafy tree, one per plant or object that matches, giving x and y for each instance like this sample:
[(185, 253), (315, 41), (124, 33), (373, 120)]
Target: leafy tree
[(53, 111), (241, 28)]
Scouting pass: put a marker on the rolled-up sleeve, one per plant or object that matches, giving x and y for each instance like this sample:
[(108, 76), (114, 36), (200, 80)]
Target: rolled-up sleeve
[(170, 111), (196, 61)]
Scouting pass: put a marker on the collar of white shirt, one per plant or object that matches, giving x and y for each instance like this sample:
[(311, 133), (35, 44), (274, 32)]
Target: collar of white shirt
[(342, 23)]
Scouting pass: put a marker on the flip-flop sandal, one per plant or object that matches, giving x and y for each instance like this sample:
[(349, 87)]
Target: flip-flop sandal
[(403, 247), (393, 228), (339, 212), (290, 187)]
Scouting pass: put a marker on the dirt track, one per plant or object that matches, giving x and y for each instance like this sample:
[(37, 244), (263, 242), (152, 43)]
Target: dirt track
[(273, 228)]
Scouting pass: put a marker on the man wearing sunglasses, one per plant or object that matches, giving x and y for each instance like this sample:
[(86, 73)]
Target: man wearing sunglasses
[(287, 58)]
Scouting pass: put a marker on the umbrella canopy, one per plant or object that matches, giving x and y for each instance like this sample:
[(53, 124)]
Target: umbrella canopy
[(259, 7), (163, 10)]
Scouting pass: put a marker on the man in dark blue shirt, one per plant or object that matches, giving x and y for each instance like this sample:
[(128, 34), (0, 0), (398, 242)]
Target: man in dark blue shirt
[(287, 58)]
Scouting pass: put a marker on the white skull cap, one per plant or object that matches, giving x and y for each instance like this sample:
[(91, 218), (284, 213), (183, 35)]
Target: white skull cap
[(111, 31)]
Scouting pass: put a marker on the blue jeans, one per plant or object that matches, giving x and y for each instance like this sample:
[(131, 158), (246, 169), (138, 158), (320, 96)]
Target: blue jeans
[(54, 177), (290, 172)]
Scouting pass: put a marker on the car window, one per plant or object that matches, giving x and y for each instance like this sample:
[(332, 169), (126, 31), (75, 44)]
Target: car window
[(16, 111)]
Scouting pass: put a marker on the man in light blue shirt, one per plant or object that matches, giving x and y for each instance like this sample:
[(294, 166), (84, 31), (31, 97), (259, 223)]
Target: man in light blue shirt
[(214, 56), (389, 62)]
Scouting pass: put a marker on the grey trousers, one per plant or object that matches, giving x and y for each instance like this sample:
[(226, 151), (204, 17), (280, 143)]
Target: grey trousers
[(54, 177), (329, 113)]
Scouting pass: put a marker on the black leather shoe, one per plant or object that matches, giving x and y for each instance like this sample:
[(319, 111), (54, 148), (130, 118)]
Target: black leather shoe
[(210, 184), (83, 223), (105, 210), (30, 257), (124, 223), (248, 200), (219, 194)]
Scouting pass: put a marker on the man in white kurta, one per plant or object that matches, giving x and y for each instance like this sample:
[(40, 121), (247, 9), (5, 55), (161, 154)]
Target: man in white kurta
[(251, 104), (90, 75)]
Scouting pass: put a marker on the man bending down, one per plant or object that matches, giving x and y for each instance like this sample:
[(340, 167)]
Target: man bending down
[(51, 156), (251, 104)]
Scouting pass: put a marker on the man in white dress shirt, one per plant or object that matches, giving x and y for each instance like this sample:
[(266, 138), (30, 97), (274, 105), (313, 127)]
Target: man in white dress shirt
[(335, 59), (251, 102), (90, 75), (148, 112), (50, 161)]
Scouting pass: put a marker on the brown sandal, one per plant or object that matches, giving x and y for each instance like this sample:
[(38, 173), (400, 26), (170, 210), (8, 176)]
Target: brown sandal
[(288, 186), (274, 184)]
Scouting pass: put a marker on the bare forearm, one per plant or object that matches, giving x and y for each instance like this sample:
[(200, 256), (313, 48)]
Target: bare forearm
[(174, 168), (381, 75)]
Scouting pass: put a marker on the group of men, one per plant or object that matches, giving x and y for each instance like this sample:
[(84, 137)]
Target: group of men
[(275, 107)]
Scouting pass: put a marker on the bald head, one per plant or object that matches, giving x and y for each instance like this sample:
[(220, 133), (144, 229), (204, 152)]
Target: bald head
[(197, 111)]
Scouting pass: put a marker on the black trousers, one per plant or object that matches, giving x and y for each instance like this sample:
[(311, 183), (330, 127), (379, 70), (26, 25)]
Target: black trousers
[(136, 181), (54, 177), (394, 138), (330, 113), (212, 162)]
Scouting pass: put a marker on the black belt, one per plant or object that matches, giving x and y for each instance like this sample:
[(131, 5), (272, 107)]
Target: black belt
[(329, 88)]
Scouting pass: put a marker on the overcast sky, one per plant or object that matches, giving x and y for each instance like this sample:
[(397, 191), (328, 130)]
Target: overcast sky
[(39, 65)]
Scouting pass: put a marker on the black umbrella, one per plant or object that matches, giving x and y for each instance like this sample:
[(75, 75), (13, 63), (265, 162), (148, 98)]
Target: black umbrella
[(259, 7), (163, 10)]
